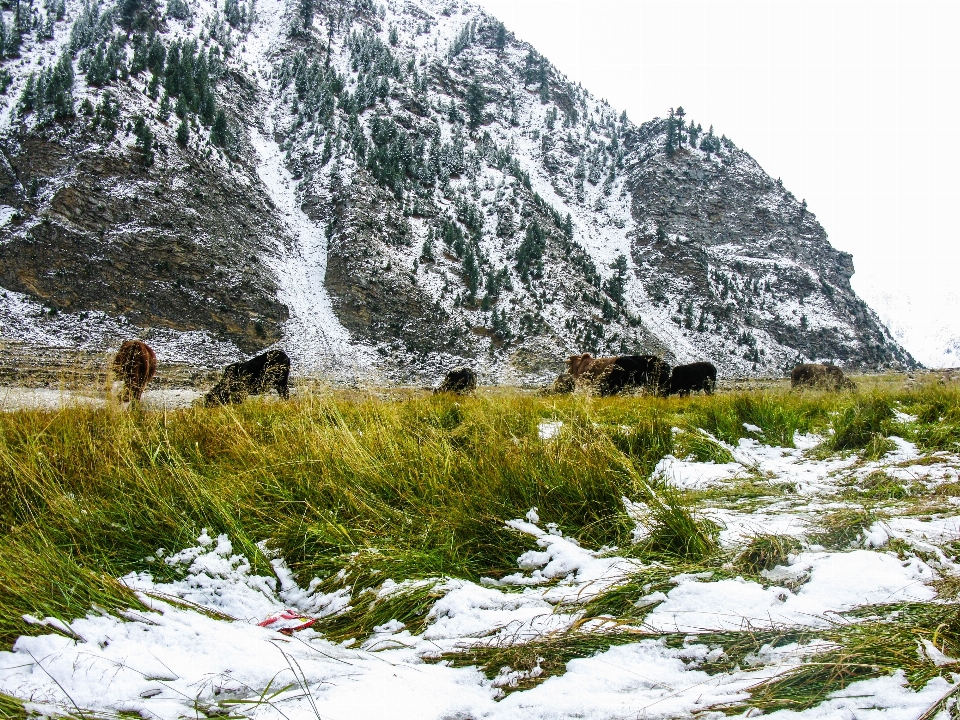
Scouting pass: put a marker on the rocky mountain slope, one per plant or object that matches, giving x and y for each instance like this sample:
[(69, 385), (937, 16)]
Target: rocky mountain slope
[(385, 189)]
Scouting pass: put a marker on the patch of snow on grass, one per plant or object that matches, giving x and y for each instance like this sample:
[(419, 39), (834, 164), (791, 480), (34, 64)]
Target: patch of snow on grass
[(838, 581), (549, 429), (690, 475)]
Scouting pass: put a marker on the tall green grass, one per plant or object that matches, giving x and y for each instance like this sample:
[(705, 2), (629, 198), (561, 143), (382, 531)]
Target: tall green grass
[(389, 485), (404, 488)]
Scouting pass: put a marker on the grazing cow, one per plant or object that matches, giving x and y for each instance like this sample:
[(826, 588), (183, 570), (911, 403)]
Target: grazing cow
[(563, 385), (686, 379), (135, 364), (271, 370), (825, 376), (587, 368), (461, 381), (611, 375)]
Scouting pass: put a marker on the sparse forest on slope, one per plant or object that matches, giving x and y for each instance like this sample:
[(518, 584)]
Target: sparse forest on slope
[(406, 184)]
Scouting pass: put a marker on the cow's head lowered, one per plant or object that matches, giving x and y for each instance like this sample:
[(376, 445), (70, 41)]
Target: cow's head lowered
[(578, 364), (228, 390)]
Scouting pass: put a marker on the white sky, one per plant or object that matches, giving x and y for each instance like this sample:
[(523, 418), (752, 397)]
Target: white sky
[(852, 104)]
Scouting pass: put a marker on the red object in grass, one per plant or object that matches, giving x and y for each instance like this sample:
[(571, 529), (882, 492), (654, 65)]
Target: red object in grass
[(288, 615)]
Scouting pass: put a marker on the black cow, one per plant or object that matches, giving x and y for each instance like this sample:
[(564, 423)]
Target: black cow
[(253, 377), (695, 376), (634, 371), (460, 382)]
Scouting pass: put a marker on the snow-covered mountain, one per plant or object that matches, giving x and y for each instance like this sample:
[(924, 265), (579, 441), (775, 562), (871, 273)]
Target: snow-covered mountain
[(920, 321), (384, 188)]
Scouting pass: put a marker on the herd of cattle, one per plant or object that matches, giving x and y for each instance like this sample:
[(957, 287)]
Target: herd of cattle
[(136, 364)]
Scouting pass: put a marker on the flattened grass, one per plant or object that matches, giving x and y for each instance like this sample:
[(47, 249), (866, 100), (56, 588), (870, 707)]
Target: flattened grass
[(701, 447), (539, 659), (865, 649), (843, 528)]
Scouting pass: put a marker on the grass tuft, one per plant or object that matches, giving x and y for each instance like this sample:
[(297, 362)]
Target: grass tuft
[(864, 425), (880, 486), (645, 441), (841, 529), (766, 551), (700, 447), (675, 531)]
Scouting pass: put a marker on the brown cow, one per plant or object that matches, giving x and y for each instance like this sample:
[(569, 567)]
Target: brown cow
[(587, 367), (135, 364), (826, 376), (611, 375)]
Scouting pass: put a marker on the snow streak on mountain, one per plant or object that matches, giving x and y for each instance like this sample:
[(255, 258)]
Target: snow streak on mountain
[(384, 189)]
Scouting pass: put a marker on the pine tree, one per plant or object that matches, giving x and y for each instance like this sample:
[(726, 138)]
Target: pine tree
[(426, 253), (108, 114), (617, 283), (208, 109), (233, 13), (471, 273), (219, 133), (680, 115), (531, 66), (172, 70), (544, 81), (529, 258), (140, 50), (11, 45), (138, 14), (28, 96), (500, 36), (144, 140), (178, 9), (156, 56), (305, 10), (163, 112), (183, 133), (476, 99), (671, 133)]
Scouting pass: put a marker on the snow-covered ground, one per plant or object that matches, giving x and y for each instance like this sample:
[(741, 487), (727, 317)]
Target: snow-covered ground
[(210, 643)]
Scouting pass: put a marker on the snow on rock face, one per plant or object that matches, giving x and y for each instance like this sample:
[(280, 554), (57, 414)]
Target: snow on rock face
[(424, 191), (313, 337)]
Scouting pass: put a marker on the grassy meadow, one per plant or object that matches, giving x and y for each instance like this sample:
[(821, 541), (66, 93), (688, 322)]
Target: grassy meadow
[(356, 488)]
